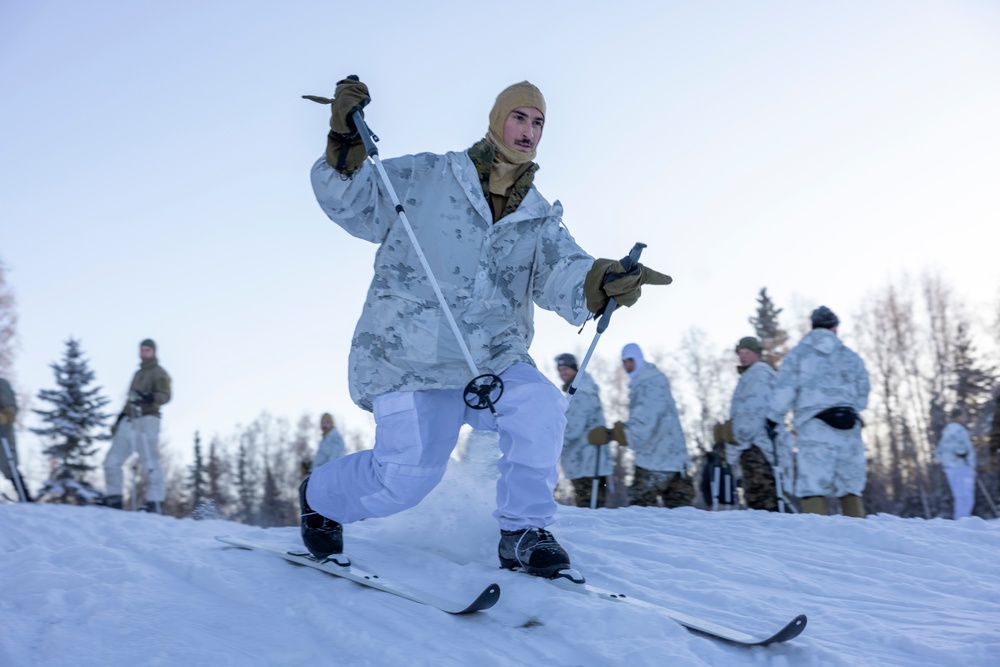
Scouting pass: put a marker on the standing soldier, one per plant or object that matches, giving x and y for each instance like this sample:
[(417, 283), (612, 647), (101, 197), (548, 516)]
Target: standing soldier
[(653, 431), (331, 446), (137, 430), (758, 455), (8, 446), (579, 458), (826, 385), (957, 456)]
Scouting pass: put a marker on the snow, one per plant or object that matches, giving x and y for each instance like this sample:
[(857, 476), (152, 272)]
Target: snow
[(95, 586)]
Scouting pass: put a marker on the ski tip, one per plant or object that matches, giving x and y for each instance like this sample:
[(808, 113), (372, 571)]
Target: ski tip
[(484, 601), (571, 575), (790, 631)]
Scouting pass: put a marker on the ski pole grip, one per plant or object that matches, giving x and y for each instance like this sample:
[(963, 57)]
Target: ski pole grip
[(367, 138), (628, 263)]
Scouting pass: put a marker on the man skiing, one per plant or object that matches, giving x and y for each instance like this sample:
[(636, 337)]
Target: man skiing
[(826, 385), (137, 430), (579, 458), (654, 433), (497, 248)]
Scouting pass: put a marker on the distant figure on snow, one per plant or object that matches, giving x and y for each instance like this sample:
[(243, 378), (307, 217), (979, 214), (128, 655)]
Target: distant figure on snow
[(137, 431), (957, 456), (579, 458), (331, 446), (826, 385), (653, 432)]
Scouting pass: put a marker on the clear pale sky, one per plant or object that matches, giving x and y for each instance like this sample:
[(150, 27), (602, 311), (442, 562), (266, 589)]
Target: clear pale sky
[(154, 169)]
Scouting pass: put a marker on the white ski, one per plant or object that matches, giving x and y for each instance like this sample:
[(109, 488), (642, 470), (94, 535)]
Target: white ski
[(340, 565)]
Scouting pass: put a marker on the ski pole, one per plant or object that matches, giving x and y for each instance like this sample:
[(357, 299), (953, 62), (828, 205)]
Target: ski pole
[(14, 472), (986, 494), (595, 485), (485, 389)]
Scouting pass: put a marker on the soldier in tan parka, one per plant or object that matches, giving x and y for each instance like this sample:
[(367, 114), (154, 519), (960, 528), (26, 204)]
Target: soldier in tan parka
[(137, 430)]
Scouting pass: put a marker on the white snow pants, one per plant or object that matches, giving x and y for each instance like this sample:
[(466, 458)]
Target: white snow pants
[(962, 480), (415, 433), (140, 435)]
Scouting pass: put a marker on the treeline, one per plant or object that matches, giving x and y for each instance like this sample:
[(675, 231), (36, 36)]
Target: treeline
[(926, 352)]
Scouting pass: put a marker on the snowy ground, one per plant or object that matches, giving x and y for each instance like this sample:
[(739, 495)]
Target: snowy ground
[(93, 586)]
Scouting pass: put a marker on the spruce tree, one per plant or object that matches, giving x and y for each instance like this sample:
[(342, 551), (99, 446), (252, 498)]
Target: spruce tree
[(72, 422), (772, 337), (197, 476)]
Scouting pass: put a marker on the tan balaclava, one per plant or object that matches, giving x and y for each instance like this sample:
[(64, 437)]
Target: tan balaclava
[(508, 163)]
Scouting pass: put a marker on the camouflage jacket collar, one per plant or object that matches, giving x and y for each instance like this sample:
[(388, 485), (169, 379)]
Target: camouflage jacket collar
[(482, 153)]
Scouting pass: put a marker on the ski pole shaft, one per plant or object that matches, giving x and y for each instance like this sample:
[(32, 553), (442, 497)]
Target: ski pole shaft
[(14, 472), (369, 141), (595, 485), (628, 263)]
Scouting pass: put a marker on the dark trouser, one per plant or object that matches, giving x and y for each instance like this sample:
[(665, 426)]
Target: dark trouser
[(582, 486), (759, 490), (650, 486)]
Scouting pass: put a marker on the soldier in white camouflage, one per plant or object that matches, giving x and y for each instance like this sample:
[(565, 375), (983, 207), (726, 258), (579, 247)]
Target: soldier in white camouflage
[(751, 444), (826, 385), (498, 249), (653, 431), (579, 458), (957, 455)]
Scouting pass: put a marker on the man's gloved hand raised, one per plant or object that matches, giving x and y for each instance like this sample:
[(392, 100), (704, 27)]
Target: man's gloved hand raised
[(607, 278), (345, 151)]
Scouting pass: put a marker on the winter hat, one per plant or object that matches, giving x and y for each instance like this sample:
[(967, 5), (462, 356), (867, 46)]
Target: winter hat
[(824, 318), (749, 343), (148, 342), (567, 359), (634, 352), (507, 162)]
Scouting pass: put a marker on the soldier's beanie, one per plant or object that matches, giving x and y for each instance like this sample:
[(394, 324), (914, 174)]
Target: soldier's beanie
[(567, 359), (824, 318), (749, 343), (519, 95), (148, 342)]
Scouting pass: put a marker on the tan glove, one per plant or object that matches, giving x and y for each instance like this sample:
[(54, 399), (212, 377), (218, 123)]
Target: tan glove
[(345, 151), (599, 436), (607, 278), (726, 432), (618, 434)]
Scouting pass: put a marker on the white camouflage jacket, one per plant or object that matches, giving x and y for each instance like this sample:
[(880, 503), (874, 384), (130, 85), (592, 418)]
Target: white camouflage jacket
[(751, 400), (955, 442), (653, 429), (818, 373), (490, 274), (584, 413)]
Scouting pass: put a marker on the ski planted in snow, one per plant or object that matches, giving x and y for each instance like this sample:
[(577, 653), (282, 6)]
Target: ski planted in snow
[(340, 565), (572, 580)]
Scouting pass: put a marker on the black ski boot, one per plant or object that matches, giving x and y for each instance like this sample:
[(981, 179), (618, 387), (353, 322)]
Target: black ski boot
[(321, 536), (533, 550), (114, 502)]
